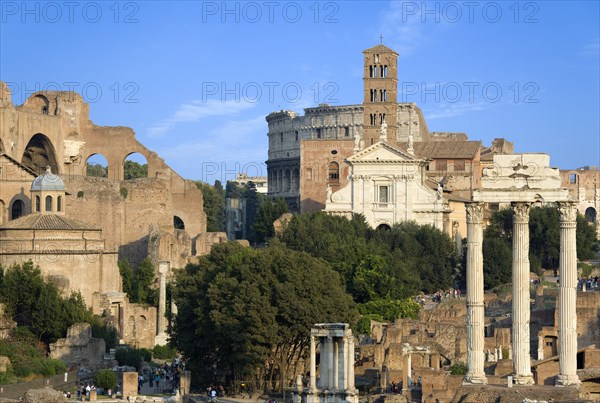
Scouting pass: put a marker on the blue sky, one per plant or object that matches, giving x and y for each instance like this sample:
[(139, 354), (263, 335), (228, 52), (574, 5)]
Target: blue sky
[(195, 80)]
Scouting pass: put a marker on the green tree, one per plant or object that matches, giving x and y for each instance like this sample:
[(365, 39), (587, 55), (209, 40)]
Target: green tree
[(106, 379), (134, 170), (587, 244), (268, 212), (544, 243), (214, 205), (96, 170), (246, 313), (127, 276)]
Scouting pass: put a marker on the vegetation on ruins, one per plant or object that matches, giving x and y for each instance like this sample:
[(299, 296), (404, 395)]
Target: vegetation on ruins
[(544, 243), (245, 314), (214, 205), (131, 170), (134, 170), (27, 357), (260, 210), (42, 316), (138, 284)]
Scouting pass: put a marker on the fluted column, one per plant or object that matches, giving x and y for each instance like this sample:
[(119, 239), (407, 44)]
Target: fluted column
[(331, 369), (475, 308), (520, 290), (313, 364), (567, 297), (350, 384)]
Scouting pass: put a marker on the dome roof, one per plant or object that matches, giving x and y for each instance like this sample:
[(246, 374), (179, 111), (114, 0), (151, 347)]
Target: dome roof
[(48, 181)]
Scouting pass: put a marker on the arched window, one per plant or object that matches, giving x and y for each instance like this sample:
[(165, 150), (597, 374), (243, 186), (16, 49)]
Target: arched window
[(178, 223), (38, 207), (48, 203), (590, 214), (334, 171), (17, 209), (59, 203)]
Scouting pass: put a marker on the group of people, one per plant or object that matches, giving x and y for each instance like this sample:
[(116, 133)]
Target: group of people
[(163, 378), (589, 283)]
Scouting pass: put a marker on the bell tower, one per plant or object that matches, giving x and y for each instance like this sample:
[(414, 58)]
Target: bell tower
[(380, 93)]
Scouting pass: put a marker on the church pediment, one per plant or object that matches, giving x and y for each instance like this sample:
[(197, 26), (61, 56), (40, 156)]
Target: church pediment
[(382, 152)]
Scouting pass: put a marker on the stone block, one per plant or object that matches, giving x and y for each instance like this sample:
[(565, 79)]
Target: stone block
[(130, 384)]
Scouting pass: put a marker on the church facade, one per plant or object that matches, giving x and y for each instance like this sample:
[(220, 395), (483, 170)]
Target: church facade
[(311, 156)]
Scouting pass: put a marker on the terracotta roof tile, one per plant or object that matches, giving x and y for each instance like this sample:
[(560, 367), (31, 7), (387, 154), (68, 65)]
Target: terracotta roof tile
[(47, 222)]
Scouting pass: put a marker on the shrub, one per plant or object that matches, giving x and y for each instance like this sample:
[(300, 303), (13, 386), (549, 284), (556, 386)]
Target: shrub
[(133, 357), (105, 379), (458, 369), (164, 352)]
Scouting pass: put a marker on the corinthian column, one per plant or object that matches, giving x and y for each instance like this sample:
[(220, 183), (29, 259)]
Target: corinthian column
[(475, 308), (520, 290), (567, 297), (313, 365)]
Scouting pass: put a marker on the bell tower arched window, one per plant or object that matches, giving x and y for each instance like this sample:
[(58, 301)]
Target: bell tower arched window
[(48, 203)]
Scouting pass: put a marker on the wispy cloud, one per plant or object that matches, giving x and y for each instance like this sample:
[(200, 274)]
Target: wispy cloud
[(196, 110), (403, 31), (448, 110), (249, 141), (591, 49)]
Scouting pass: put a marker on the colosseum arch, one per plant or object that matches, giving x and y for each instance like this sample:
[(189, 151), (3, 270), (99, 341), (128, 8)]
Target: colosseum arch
[(135, 165), (96, 165), (40, 153)]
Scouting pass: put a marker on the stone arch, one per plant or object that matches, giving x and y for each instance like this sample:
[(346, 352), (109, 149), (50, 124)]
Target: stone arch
[(178, 223), (591, 214), (96, 165), (135, 165), (40, 103), (17, 209), (40, 153), (383, 227), (37, 204)]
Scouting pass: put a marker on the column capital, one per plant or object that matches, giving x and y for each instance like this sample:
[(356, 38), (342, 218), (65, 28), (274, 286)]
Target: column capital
[(474, 212), (521, 211), (568, 211)]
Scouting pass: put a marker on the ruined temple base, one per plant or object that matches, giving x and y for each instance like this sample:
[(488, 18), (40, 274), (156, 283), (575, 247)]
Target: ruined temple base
[(326, 396), (516, 394)]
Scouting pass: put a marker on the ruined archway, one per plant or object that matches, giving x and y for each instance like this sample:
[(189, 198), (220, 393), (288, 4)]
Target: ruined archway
[(96, 165), (135, 166), (590, 214), (178, 223), (40, 153)]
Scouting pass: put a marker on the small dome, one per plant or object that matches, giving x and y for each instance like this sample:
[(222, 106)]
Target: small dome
[(48, 181)]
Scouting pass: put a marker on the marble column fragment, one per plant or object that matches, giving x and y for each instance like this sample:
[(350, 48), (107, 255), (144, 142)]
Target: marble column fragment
[(567, 297), (475, 307)]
